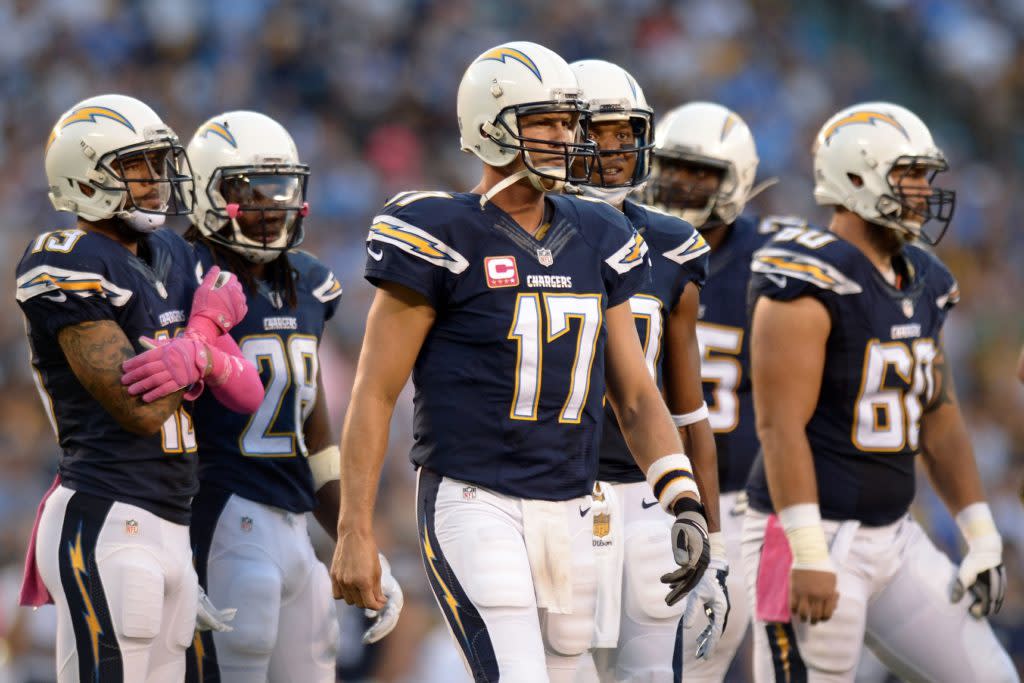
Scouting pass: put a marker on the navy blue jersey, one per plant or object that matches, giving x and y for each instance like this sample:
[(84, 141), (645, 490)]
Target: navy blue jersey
[(680, 256), (724, 346), (262, 457), (510, 379), (878, 367), (68, 277)]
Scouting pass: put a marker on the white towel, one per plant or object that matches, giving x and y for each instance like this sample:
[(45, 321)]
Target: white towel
[(609, 555), (549, 548)]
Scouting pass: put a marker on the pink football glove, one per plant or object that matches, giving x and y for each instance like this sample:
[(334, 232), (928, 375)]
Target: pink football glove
[(169, 365), (218, 305)]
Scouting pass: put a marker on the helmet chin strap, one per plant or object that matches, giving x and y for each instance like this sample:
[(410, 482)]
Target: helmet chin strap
[(613, 195), (143, 222)]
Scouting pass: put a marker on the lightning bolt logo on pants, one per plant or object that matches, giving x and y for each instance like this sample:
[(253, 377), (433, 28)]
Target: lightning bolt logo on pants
[(453, 604), (91, 620)]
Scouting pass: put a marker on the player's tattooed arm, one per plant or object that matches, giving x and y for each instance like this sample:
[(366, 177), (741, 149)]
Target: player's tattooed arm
[(95, 351)]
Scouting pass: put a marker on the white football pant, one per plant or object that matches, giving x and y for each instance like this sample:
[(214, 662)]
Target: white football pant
[(260, 561), (124, 587), (475, 556), (648, 645), (713, 670), (894, 597)]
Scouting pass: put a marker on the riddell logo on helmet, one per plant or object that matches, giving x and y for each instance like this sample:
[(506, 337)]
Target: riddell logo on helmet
[(501, 271)]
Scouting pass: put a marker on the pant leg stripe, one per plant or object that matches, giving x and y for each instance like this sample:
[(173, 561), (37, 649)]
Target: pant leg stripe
[(786, 660), (463, 618), (677, 654), (201, 659), (99, 655)]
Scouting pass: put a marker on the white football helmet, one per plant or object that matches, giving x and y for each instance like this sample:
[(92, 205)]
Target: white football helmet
[(855, 153), (90, 146), (612, 94), (246, 165), (707, 134), (513, 80)]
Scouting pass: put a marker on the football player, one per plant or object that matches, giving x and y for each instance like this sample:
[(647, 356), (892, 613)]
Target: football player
[(510, 306), (260, 474), (111, 543), (850, 382), (637, 630), (705, 162)]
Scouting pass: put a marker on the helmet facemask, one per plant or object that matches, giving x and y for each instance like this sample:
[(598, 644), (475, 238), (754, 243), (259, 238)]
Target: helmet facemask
[(692, 201), (912, 209), (605, 180), (258, 211), (539, 155), (161, 165)]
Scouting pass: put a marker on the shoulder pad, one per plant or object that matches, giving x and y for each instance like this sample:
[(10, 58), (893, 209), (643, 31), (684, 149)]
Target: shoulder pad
[(48, 267), (769, 225), (939, 279), (405, 198), (315, 276)]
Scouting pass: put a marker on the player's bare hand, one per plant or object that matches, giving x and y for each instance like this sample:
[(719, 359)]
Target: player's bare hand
[(355, 571), (812, 594)]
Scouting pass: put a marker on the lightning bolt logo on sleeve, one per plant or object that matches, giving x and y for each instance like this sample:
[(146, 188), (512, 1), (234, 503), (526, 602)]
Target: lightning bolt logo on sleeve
[(416, 241), (46, 279), (772, 261), (629, 256), (690, 249), (91, 620)]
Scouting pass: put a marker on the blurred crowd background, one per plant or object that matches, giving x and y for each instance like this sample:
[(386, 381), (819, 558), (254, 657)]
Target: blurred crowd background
[(367, 88)]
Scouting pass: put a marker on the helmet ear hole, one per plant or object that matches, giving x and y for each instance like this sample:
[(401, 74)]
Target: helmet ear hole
[(855, 179), (84, 189)]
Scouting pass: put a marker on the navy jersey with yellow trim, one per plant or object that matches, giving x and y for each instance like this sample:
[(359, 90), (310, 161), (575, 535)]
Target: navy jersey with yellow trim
[(877, 378), (722, 332), (262, 457), (68, 277), (680, 256), (510, 379)]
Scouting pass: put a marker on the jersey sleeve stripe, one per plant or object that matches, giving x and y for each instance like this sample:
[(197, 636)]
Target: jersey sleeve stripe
[(690, 249), (773, 261), (47, 278), (629, 256), (417, 242)]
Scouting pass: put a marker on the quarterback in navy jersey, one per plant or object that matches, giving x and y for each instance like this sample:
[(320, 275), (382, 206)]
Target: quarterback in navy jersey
[(259, 474), (509, 306), (637, 635), (705, 163), (111, 544), (850, 383)]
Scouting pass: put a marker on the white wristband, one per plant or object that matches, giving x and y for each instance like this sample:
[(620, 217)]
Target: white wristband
[(716, 540), (975, 521), (693, 417), (802, 524), (325, 466), (670, 476)]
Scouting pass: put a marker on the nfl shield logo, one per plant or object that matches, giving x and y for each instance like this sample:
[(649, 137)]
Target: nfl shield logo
[(131, 527), (908, 308), (469, 493), (602, 524), (545, 257), (246, 524)]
